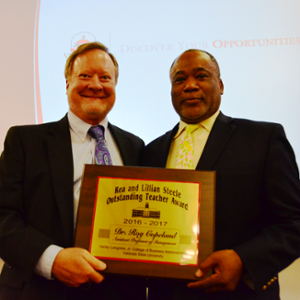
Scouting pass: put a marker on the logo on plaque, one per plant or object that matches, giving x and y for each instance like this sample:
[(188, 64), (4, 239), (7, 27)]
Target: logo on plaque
[(146, 212)]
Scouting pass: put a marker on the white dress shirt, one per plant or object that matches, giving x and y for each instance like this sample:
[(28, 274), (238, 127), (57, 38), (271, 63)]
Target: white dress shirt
[(83, 148)]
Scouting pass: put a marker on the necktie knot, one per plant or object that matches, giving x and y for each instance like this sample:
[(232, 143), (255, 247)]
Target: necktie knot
[(96, 132), (191, 127), (185, 153)]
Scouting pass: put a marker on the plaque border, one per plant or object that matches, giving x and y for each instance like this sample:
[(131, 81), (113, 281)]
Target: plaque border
[(154, 269)]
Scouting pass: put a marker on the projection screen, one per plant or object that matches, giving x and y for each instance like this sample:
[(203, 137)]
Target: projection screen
[(255, 42)]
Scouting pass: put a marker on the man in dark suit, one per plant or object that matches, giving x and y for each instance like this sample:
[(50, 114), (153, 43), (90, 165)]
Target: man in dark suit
[(40, 176), (257, 231)]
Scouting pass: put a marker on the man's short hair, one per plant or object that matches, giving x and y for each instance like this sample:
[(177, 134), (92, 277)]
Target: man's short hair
[(197, 50), (84, 48)]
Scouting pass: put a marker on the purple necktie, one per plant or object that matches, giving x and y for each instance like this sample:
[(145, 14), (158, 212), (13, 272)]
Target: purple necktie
[(102, 155)]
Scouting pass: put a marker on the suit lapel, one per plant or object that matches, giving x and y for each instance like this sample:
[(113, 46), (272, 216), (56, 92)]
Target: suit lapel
[(61, 164), (122, 143), (216, 142), (161, 159)]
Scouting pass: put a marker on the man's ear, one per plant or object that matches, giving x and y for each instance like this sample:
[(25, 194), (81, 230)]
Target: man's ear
[(67, 85), (221, 84)]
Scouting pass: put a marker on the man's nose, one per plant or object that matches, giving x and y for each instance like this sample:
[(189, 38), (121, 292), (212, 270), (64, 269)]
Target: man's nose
[(95, 83), (191, 85)]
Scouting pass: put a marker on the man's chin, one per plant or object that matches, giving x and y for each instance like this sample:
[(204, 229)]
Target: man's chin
[(97, 113), (96, 109), (192, 118), (193, 102)]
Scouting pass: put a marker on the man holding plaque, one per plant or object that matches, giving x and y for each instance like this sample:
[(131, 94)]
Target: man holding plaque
[(40, 177), (257, 230)]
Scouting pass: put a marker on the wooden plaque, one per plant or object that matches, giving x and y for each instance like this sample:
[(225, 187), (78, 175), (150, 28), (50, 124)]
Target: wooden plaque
[(148, 222)]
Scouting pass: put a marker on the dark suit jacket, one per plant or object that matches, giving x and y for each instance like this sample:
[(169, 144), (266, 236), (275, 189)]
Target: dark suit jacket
[(36, 203), (257, 200)]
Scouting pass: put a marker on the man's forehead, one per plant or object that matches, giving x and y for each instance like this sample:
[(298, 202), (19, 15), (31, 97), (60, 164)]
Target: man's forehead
[(195, 60), (94, 54), (92, 59), (193, 54)]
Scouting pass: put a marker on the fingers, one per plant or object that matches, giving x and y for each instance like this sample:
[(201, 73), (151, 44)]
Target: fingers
[(227, 267), (209, 263), (94, 262), (75, 266), (199, 273), (211, 284)]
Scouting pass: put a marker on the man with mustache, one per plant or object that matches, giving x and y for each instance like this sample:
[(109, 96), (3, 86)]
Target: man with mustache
[(257, 230), (40, 177)]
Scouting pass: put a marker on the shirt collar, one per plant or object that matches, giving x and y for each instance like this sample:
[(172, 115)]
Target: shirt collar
[(206, 124), (81, 128)]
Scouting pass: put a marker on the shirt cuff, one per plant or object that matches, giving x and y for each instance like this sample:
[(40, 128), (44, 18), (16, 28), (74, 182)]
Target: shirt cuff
[(45, 263)]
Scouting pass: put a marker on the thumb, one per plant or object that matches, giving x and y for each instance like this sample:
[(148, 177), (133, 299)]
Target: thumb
[(205, 267)]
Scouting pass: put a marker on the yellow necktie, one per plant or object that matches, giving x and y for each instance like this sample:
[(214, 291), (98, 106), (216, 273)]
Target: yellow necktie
[(185, 153)]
